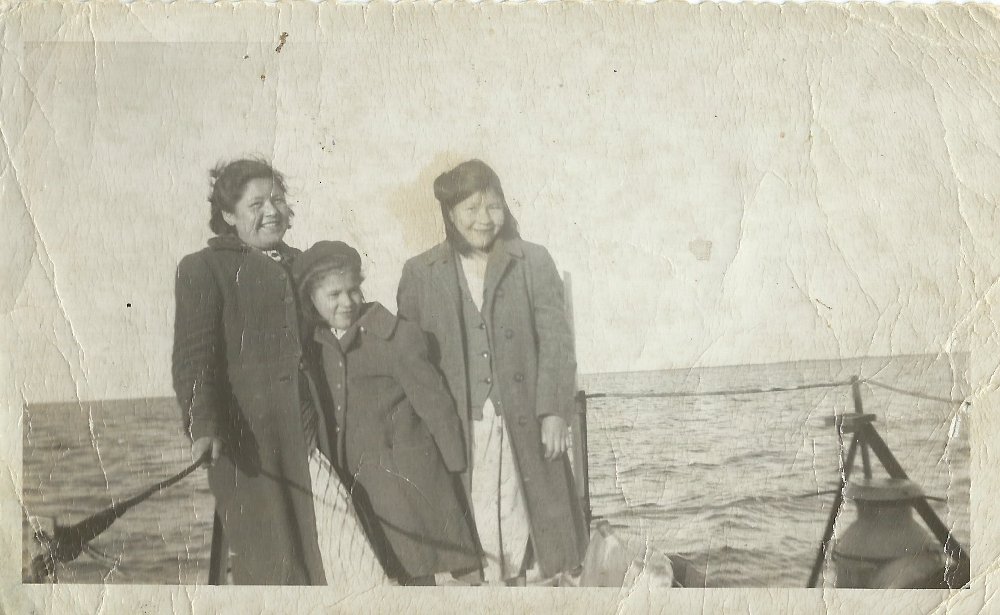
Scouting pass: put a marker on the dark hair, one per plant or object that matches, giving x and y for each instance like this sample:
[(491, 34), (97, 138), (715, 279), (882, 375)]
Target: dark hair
[(460, 183), (229, 180), (317, 273)]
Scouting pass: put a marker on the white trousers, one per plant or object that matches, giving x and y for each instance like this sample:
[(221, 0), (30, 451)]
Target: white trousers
[(497, 499)]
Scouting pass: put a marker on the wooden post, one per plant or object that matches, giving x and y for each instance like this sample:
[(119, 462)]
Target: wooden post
[(578, 428), (581, 459), (866, 464), (218, 559), (865, 436), (831, 521)]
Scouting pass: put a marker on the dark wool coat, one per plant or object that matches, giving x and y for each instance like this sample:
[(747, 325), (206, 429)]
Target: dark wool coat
[(534, 370), (236, 362), (395, 429)]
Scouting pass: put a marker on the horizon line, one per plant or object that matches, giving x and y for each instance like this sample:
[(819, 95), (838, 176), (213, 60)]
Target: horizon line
[(638, 371)]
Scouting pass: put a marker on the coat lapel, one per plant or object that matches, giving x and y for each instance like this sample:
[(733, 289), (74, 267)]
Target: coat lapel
[(445, 277), (499, 264)]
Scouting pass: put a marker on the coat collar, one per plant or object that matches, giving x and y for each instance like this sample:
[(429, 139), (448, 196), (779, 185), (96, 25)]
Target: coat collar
[(234, 243), (444, 252), (443, 260), (375, 320)]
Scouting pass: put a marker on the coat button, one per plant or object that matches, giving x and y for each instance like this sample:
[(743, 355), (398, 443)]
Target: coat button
[(518, 377), (302, 365), (522, 420), (289, 300), (488, 380), (486, 355), (509, 333), (482, 325)]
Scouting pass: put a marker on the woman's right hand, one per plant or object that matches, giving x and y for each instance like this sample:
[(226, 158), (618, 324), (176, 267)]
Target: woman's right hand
[(207, 448)]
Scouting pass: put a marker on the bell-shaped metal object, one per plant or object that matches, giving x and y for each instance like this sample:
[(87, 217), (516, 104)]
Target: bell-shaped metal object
[(885, 546)]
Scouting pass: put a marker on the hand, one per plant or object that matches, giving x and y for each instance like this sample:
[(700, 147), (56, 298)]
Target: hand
[(555, 436), (207, 448)]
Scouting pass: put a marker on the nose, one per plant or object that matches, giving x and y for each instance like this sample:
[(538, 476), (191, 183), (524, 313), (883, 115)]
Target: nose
[(346, 302), (483, 217), (270, 209)]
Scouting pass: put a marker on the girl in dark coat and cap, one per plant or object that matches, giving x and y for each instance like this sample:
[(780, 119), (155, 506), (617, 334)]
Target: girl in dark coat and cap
[(389, 417), (236, 362)]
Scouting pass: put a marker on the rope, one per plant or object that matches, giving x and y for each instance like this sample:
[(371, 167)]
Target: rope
[(824, 385), (160, 486), (803, 387), (67, 543), (810, 494), (945, 400)]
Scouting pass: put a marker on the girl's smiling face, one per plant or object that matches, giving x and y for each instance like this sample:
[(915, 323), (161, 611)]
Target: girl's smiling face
[(261, 215), (479, 219), (338, 299)]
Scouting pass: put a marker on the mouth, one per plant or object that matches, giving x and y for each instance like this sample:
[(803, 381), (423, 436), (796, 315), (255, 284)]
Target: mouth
[(271, 224)]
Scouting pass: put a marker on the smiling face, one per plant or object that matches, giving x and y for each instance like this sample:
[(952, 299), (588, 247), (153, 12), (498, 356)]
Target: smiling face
[(338, 299), (261, 216), (479, 219)]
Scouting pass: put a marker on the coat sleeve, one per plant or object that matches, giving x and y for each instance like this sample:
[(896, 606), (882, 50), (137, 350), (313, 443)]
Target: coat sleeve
[(555, 392), (408, 296), (427, 392), (198, 360)]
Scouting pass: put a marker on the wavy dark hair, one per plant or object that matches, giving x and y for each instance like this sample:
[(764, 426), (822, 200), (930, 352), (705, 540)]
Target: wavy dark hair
[(458, 184), (229, 181)]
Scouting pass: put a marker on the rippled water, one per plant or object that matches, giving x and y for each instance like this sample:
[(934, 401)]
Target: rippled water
[(712, 477)]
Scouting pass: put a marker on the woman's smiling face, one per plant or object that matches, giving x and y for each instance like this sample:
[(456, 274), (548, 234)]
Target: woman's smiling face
[(479, 219), (261, 215)]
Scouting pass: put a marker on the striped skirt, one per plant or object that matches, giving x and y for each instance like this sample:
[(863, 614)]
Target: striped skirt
[(349, 560)]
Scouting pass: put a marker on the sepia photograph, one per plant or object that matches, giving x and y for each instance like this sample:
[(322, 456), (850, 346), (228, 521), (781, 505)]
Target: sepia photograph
[(574, 308)]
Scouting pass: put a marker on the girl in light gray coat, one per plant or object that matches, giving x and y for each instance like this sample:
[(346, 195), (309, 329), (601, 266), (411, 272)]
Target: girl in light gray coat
[(492, 307)]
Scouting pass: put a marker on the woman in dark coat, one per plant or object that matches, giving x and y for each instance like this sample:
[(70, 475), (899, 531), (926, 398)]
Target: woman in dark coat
[(492, 307), (389, 416), (236, 365)]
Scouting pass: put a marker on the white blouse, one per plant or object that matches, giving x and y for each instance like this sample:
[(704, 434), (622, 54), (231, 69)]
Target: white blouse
[(475, 277)]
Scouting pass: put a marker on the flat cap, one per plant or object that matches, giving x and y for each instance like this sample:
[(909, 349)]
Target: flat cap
[(324, 254)]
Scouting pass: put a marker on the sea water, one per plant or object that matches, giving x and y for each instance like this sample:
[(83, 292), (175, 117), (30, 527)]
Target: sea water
[(724, 479)]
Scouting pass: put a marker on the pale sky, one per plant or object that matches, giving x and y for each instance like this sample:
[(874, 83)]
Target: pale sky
[(716, 199)]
